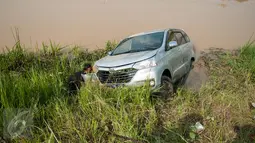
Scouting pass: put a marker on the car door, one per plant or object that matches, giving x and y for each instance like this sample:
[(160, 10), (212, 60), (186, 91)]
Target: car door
[(187, 51), (173, 56), (182, 46)]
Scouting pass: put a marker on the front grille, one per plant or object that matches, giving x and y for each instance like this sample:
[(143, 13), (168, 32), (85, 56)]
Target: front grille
[(119, 76)]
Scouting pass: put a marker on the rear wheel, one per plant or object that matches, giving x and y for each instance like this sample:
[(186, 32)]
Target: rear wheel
[(167, 88)]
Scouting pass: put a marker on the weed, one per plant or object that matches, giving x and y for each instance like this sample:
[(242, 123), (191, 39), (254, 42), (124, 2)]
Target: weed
[(100, 114)]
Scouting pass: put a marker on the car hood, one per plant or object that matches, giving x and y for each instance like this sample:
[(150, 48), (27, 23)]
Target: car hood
[(125, 59)]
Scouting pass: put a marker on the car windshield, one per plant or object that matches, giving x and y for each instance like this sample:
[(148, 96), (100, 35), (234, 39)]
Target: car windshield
[(140, 43)]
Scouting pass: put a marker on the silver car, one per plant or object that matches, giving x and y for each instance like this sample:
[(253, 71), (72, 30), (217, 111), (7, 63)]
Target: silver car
[(160, 57)]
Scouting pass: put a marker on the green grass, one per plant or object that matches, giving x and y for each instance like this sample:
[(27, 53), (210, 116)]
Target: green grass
[(37, 81)]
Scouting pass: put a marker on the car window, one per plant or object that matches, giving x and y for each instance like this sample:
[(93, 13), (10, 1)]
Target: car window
[(186, 36), (171, 37), (180, 38), (126, 47)]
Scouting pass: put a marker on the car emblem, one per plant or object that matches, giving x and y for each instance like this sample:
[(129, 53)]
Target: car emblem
[(112, 70)]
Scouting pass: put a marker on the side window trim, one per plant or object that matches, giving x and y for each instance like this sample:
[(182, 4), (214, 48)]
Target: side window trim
[(186, 37), (183, 36), (168, 34)]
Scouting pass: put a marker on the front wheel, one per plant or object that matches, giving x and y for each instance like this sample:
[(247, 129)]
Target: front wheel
[(167, 88)]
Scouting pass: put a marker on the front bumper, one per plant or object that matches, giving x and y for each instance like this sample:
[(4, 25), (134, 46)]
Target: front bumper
[(139, 79)]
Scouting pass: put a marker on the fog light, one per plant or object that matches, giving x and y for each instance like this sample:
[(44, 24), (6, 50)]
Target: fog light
[(152, 83)]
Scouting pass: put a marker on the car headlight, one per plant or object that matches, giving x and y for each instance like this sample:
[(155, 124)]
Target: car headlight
[(145, 64)]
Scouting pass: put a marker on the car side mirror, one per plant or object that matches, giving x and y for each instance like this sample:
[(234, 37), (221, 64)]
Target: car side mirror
[(171, 45), (109, 53)]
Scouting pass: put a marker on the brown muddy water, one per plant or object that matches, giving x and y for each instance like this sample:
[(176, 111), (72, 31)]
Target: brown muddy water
[(90, 23)]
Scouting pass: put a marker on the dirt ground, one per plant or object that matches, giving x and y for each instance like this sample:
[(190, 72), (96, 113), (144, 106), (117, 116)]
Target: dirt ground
[(199, 74)]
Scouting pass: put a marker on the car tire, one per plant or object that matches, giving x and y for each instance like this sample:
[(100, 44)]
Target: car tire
[(166, 88)]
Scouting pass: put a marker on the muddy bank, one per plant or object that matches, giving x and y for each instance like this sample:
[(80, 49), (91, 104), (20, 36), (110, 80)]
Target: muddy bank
[(198, 76), (200, 72), (90, 23)]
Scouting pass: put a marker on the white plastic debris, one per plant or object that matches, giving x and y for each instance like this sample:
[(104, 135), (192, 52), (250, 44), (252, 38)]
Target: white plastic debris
[(199, 127), (253, 105), (210, 118)]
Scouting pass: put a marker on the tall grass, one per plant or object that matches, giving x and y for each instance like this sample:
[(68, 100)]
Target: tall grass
[(99, 114)]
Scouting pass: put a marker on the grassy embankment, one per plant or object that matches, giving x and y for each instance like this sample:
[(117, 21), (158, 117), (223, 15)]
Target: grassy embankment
[(99, 114)]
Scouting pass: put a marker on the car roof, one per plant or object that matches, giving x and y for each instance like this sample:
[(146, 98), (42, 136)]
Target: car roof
[(154, 31)]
